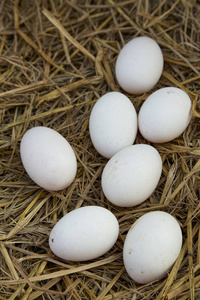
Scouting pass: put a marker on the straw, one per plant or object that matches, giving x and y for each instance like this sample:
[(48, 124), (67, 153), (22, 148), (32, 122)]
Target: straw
[(56, 59)]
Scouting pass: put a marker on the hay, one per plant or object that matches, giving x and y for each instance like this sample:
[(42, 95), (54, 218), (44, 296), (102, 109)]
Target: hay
[(57, 58)]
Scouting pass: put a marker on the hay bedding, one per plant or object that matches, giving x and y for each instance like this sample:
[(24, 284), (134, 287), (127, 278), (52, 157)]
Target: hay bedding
[(57, 58)]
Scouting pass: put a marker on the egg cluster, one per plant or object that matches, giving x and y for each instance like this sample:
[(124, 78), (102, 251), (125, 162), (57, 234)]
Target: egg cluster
[(131, 174)]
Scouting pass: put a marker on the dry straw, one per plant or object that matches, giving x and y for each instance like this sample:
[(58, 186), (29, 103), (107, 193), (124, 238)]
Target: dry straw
[(57, 57)]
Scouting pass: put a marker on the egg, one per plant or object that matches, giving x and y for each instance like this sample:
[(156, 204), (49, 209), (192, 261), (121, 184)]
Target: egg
[(48, 158), (139, 65), (131, 175), (84, 234), (112, 124), (164, 115), (152, 246)]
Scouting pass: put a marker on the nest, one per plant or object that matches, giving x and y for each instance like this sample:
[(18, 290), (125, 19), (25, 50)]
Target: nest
[(57, 58)]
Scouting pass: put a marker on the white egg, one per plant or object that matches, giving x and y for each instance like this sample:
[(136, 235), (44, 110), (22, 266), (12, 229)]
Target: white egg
[(131, 175), (165, 115), (151, 247), (139, 65), (48, 158), (112, 124), (84, 234)]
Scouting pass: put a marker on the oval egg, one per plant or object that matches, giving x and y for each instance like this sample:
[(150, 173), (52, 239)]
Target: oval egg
[(131, 175), (139, 65), (48, 158), (112, 124), (164, 115), (84, 234), (151, 247)]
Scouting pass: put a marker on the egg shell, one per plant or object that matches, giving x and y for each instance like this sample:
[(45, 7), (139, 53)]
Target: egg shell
[(139, 65), (164, 115), (48, 158), (113, 123), (84, 234), (151, 247), (131, 175)]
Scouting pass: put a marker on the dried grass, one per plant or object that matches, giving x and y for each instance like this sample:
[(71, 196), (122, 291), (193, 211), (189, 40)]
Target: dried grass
[(57, 58)]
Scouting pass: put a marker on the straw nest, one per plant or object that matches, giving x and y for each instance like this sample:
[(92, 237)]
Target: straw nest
[(57, 57)]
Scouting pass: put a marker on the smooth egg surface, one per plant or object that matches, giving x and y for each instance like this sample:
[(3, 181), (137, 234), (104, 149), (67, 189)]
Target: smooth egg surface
[(164, 115), (151, 247), (48, 158), (139, 65), (112, 124), (131, 175), (84, 234)]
